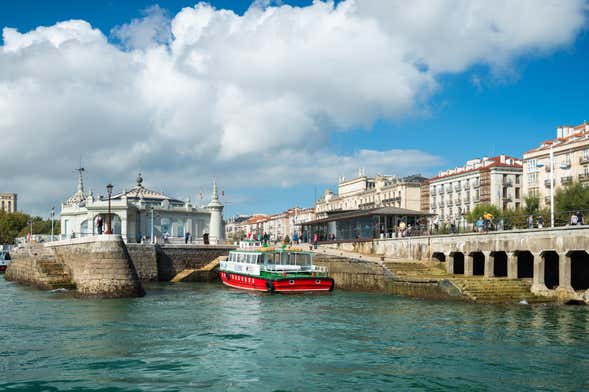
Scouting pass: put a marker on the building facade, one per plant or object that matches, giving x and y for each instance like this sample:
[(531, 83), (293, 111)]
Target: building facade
[(277, 226), (570, 163), (365, 192), (141, 214), (8, 202), (455, 192)]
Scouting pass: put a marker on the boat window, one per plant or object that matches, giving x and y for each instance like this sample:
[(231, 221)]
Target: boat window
[(284, 258)]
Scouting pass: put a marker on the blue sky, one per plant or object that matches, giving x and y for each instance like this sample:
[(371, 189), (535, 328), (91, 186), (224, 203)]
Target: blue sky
[(479, 110)]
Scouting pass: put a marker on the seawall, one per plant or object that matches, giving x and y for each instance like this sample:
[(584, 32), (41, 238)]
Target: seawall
[(100, 266)]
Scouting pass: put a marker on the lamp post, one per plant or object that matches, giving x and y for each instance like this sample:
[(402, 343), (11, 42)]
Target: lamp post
[(31, 230), (52, 216), (109, 192), (152, 241), (551, 186)]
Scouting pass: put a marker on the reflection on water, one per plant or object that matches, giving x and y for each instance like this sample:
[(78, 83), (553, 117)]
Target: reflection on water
[(205, 336)]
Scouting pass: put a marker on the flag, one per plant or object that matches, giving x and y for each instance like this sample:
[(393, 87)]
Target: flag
[(222, 193)]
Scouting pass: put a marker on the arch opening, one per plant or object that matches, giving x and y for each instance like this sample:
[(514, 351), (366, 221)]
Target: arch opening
[(525, 264), (500, 264), (458, 263), (579, 270), (478, 263), (551, 269), (439, 256)]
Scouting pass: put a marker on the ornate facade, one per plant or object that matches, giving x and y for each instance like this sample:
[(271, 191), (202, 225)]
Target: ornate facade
[(365, 192), (141, 214)]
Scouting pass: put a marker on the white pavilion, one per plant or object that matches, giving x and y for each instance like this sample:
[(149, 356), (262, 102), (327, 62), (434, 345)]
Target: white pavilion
[(141, 214)]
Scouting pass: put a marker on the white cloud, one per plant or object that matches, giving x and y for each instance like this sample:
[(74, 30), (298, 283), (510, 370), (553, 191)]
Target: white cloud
[(212, 93)]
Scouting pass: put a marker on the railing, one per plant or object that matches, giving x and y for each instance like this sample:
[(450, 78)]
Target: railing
[(449, 190), (566, 180), (457, 188), (547, 168), (583, 160), (476, 184), (547, 183), (583, 176)]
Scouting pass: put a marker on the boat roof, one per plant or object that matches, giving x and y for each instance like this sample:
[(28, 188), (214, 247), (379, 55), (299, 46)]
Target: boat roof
[(271, 250)]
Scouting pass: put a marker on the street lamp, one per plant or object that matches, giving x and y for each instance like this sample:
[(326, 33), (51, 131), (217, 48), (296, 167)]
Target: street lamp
[(52, 216), (109, 192)]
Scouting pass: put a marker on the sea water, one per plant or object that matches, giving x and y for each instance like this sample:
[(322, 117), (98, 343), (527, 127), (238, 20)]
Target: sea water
[(204, 336)]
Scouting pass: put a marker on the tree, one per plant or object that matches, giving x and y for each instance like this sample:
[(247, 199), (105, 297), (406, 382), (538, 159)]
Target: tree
[(481, 210), (569, 200), (16, 224), (532, 204)]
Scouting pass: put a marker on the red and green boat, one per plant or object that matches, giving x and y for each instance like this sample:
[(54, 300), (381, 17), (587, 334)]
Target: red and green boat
[(288, 270)]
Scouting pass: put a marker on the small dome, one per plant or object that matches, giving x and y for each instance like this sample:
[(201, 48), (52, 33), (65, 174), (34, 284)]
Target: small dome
[(139, 180)]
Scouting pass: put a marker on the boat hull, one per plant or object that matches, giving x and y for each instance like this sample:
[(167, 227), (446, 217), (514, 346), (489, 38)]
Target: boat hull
[(282, 285)]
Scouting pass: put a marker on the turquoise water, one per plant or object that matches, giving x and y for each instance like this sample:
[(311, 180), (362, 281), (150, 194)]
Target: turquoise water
[(208, 337)]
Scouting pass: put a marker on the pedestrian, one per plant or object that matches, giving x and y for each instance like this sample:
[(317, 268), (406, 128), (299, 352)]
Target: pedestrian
[(453, 226), (186, 237), (99, 223), (436, 223), (530, 221), (295, 238), (315, 240), (574, 220), (540, 222), (480, 224), (402, 228), (579, 218)]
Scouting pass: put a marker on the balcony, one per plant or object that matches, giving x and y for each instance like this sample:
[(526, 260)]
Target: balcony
[(584, 159), (584, 177), (565, 165), (547, 200), (457, 202), (476, 184), (440, 191), (449, 190), (476, 199), (441, 205), (450, 203), (547, 183), (547, 168), (566, 180), (457, 188)]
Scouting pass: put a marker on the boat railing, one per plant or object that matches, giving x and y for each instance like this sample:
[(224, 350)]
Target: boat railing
[(294, 268)]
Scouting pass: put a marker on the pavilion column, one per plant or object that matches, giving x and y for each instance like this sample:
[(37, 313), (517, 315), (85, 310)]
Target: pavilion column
[(468, 264), (512, 265), (450, 263), (489, 264), (564, 271), (538, 283)]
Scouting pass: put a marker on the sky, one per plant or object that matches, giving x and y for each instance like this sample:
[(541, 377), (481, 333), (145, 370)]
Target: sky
[(275, 100)]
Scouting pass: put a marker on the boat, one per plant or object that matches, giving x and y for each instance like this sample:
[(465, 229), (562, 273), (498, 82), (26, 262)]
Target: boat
[(4, 260), (273, 270)]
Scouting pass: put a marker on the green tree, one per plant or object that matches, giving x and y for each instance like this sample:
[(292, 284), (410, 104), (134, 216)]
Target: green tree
[(16, 224), (532, 204), (481, 210), (569, 200), (515, 218)]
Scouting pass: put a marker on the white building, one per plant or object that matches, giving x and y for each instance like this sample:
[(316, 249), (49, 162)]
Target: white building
[(570, 160), (455, 192), (140, 214), (365, 192)]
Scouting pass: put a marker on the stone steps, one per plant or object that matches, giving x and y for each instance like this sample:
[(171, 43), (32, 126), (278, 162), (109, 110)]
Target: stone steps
[(53, 274), (493, 290)]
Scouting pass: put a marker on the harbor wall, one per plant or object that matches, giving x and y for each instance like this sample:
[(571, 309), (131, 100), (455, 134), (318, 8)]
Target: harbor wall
[(173, 259), (360, 275), (144, 258), (100, 266)]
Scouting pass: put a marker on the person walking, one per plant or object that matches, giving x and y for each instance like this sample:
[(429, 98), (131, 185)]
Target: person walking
[(574, 220), (99, 223), (315, 238), (540, 222), (579, 218), (530, 221)]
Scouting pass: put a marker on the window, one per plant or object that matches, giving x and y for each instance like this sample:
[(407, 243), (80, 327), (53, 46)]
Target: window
[(532, 179), (532, 165)]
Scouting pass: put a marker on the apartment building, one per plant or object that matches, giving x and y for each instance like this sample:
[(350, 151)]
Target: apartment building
[(455, 192), (570, 162)]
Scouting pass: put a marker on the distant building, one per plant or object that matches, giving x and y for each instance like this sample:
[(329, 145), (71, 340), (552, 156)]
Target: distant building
[(571, 162), (133, 211), (277, 226), (365, 192), (8, 202), (455, 192)]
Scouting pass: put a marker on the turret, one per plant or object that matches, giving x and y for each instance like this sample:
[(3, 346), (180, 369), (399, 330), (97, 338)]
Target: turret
[(216, 232)]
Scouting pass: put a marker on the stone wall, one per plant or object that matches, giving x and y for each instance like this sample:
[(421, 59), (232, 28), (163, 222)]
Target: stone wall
[(172, 259), (100, 266), (144, 258)]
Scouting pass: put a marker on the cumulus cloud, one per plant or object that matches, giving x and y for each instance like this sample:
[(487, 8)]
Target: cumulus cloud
[(209, 93)]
